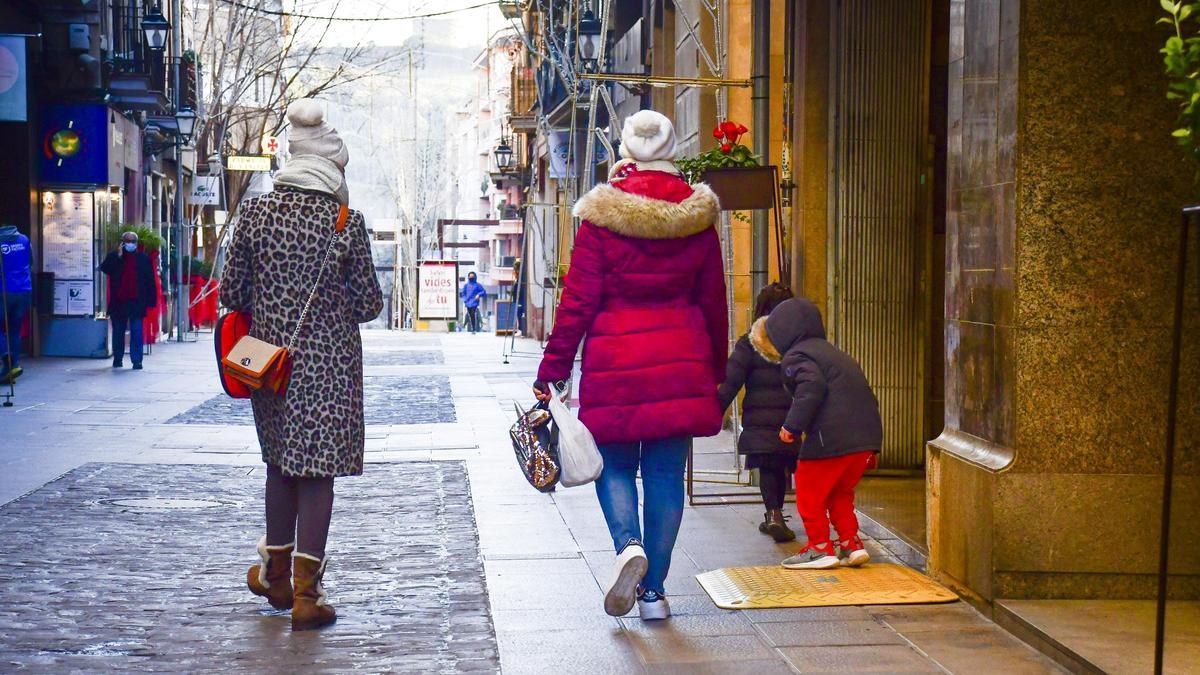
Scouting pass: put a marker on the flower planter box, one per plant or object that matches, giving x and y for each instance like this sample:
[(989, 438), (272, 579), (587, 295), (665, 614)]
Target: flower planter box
[(743, 188)]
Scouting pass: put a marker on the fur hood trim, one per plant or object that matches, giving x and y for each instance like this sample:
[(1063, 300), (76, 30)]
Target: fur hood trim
[(645, 218), (762, 342)]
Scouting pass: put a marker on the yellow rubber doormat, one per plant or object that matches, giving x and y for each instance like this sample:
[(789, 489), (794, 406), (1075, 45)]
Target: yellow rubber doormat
[(874, 584)]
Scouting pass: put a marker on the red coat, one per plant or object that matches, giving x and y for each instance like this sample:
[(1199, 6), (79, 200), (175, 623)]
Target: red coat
[(647, 286)]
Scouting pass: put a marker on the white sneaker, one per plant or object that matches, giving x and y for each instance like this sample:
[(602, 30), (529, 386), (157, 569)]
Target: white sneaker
[(810, 558), (627, 574), (653, 607)]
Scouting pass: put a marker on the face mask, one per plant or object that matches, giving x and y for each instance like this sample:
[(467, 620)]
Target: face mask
[(131, 247)]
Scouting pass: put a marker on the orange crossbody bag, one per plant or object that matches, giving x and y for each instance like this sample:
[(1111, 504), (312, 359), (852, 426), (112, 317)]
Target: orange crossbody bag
[(260, 365)]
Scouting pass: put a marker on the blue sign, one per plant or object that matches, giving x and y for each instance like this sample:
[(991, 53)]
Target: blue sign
[(13, 78), (74, 144)]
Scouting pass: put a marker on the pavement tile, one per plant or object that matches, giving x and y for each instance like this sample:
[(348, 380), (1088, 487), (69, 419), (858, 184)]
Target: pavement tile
[(567, 651), (694, 625), (676, 648), (827, 633), (807, 614), (859, 659), (981, 649), (757, 667)]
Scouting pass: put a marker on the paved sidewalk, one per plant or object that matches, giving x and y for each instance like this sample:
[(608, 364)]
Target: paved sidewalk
[(546, 557)]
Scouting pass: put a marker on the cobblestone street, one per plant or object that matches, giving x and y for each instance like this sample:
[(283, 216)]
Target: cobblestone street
[(137, 575), (442, 558)]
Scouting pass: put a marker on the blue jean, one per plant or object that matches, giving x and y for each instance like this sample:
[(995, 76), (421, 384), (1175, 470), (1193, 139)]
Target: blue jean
[(662, 463), (134, 324), (10, 341)]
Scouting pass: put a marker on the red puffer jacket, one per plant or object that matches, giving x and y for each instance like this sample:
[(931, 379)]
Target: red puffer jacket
[(647, 286)]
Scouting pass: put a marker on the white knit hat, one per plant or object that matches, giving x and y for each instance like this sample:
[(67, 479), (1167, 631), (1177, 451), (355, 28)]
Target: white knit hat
[(648, 136), (310, 135)]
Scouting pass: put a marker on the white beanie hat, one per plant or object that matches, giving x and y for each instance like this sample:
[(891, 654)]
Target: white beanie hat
[(648, 136), (310, 135)]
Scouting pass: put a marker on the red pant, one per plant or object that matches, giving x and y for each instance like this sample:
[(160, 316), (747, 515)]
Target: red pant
[(825, 493)]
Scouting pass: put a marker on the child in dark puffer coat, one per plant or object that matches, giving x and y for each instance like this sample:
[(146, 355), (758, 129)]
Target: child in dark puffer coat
[(763, 410), (837, 414)]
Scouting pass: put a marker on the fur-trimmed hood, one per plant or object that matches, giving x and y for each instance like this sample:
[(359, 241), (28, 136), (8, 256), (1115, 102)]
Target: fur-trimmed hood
[(635, 215), (762, 343)]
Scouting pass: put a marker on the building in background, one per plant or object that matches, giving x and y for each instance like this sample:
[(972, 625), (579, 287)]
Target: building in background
[(92, 151), (482, 228)]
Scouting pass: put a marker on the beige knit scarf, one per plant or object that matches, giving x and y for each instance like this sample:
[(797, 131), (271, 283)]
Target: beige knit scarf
[(313, 172)]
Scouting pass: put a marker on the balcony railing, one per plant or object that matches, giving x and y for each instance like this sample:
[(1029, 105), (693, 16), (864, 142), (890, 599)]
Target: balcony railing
[(524, 91)]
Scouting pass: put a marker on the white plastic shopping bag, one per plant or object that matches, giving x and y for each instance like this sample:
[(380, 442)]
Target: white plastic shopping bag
[(578, 456)]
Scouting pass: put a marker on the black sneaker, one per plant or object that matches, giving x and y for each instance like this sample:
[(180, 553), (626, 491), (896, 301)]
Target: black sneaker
[(118, 364), (137, 366)]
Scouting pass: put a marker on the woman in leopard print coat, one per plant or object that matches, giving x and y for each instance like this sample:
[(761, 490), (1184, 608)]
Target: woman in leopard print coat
[(315, 432)]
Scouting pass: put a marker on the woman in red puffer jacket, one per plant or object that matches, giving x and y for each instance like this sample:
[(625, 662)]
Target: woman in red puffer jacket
[(647, 287)]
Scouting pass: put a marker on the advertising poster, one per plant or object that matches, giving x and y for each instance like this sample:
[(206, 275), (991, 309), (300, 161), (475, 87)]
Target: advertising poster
[(73, 298), (437, 290), (13, 102)]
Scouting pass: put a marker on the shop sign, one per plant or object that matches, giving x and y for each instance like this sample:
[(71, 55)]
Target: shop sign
[(248, 163), (75, 144), (437, 290), (270, 145), (206, 191)]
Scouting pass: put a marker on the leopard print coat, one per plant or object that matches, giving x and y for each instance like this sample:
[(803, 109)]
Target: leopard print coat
[(317, 430)]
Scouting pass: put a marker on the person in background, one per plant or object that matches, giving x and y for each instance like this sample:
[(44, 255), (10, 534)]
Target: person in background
[(472, 294), (763, 411), (18, 293), (647, 287), (837, 414), (132, 293)]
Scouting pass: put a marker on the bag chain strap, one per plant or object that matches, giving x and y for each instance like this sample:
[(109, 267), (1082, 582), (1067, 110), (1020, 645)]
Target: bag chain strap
[(317, 284)]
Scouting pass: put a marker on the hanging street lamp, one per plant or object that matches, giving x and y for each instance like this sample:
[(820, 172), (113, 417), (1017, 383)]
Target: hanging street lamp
[(504, 156), (185, 118), (155, 29), (589, 41)]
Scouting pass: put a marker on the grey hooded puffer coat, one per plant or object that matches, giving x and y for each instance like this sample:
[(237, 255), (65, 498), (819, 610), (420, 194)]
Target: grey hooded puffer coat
[(832, 403)]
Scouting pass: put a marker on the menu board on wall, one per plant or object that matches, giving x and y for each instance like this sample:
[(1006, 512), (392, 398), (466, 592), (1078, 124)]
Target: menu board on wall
[(67, 232)]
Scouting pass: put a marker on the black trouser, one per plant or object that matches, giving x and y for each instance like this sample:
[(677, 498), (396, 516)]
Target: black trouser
[(773, 484), (473, 319)]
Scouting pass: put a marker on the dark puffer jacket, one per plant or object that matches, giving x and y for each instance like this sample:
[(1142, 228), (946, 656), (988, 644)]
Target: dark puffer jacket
[(832, 404), (766, 403)]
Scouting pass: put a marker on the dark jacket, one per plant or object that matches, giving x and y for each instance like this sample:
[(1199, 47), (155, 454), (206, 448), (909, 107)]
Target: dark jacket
[(147, 293), (832, 404), (765, 405)]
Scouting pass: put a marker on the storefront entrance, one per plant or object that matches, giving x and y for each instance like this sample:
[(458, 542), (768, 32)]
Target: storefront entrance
[(870, 142)]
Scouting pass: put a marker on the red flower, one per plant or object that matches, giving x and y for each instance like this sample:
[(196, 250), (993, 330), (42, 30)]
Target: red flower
[(717, 132), (742, 129), (728, 128), (725, 147)]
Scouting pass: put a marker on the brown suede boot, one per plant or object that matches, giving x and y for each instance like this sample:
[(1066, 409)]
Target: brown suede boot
[(272, 579), (309, 610)]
